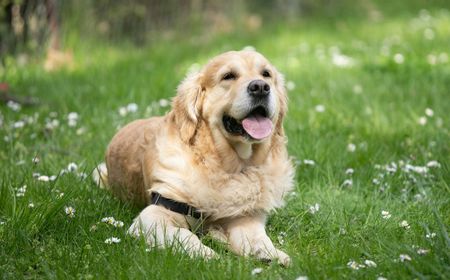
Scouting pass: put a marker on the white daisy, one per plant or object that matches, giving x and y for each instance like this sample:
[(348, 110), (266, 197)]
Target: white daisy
[(422, 251), (290, 85), (422, 121), (163, 103), (351, 147), (399, 58), (405, 257), (349, 171), (320, 108), (433, 164), (112, 240), (132, 107), (385, 214), (404, 224), (370, 263), (70, 211), (257, 271), (309, 162), (314, 208), (347, 183)]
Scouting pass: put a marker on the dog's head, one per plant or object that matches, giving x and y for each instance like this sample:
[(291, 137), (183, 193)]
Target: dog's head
[(240, 96)]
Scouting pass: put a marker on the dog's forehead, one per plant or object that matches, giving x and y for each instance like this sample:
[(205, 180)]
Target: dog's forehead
[(246, 59)]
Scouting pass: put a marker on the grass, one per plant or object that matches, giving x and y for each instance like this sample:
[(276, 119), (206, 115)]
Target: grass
[(375, 104)]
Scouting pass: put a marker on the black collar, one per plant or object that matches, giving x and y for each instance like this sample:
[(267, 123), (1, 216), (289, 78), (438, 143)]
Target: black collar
[(175, 206)]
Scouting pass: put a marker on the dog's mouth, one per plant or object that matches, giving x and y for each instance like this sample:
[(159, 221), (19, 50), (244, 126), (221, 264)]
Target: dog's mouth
[(256, 125)]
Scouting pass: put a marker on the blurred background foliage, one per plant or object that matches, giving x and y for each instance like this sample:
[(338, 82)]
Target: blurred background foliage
[(34, 26)]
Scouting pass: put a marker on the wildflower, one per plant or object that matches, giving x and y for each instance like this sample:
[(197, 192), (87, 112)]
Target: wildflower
[(432, 59), (302, 278), (375, 181), (430, 235), (342, 231), (422, 121), (422, 251), (13, 106), (163, 103), (2, 223), (51, 124), (381, 278), (80, 131), (70, 211), (433, 164), (72, 118), (314, 208), (132, 107), (257, 271), (309, 162), (349, 171), (370, 263), (72, 167), (347, 183), (342, 61), (351, 147), (320, 108), (399, 58), (123, 111), (417, 169), (404, 224), (31, 205), (112, 221), (281, 237), (43, 178), (21, 191), (429, 112), (112, 240), (19, 124), (385, 214), (36, 160), (290, 85), (354, 265), (405, 257)]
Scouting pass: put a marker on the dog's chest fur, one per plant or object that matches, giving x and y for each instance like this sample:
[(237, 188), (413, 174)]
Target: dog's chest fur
[(221, 187)]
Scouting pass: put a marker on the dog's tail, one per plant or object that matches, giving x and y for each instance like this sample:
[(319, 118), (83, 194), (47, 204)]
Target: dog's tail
[(100, 176)]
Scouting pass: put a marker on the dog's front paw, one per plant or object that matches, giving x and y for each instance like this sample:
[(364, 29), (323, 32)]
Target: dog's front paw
[(283, 258), (273, 255)]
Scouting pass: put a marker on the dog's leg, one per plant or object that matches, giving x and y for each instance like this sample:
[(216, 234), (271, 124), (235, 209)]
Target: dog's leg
[(247, 237), (163, 228)]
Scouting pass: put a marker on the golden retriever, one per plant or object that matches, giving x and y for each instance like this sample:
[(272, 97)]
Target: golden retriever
[(221, 150)]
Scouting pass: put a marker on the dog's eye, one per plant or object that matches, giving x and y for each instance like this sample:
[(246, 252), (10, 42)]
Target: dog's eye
[(266, 74), (229, 76)]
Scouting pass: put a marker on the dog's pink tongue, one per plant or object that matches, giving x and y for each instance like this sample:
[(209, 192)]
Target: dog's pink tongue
[(258, 127)]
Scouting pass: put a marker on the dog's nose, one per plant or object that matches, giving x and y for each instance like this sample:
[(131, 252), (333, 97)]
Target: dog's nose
[(258, 88)]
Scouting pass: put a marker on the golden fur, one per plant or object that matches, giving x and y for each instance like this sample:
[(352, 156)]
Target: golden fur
[(188, 156)]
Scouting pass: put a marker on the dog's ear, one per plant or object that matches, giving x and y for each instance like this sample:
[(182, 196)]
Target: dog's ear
[(282, 99), (187, 106)]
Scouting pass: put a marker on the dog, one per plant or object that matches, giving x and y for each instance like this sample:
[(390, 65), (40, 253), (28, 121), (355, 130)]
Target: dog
[(217, 159)]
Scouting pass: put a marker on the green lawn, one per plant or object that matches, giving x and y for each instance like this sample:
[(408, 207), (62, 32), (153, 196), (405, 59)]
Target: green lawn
[(373, 97)]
